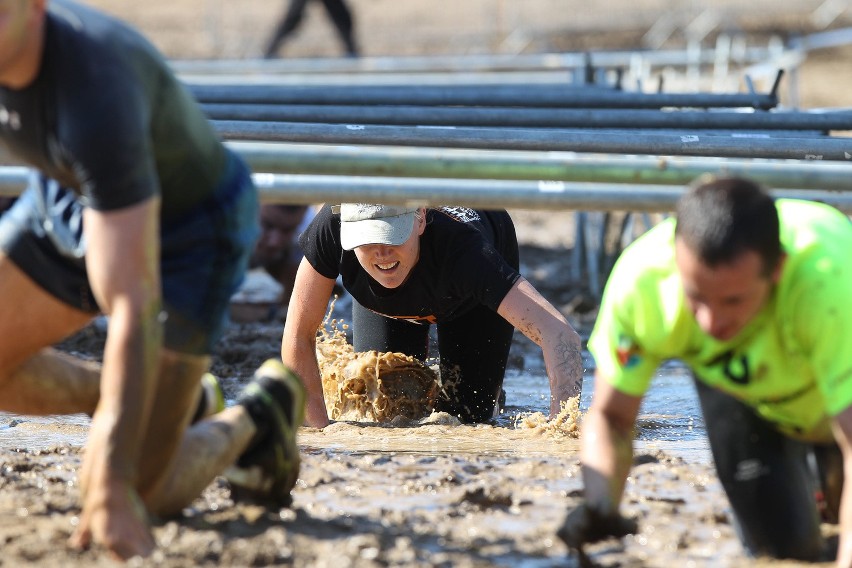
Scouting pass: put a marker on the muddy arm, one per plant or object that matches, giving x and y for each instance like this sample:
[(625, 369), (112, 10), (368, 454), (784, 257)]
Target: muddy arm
[(526, 309), (311, 292), (606, 449), (842, 427), (605, 454)]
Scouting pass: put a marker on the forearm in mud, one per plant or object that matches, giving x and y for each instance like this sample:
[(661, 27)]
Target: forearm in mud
[(128, 383), (563, 361), (841, 428), (303, 360), (844, 549), (606, 458)]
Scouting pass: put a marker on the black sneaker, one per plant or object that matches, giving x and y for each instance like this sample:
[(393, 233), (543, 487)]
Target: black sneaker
[(212, 399), (269, 468)]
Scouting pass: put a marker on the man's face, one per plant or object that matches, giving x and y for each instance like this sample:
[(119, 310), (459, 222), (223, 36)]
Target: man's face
[(17, 18), (278, 228), (388, 265), (724, 299)]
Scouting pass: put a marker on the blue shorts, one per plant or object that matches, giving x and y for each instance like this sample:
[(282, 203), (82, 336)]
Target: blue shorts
[(203, 255)]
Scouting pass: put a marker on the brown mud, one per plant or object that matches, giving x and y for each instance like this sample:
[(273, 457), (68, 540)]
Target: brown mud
[(426, 492)]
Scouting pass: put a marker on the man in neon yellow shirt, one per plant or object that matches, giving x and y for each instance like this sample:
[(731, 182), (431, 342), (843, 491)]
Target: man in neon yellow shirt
[(753, 295)]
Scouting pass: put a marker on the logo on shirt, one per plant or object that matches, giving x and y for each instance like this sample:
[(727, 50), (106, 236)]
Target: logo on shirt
[(735, 369), (461, 214), (627, 352), (10, 119)]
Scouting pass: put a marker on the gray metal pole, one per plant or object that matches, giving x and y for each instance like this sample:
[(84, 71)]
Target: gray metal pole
[(530, 117), (557, 96), (698, 144), (634, 171), (519, 165), (491, 193), (546, 195), (457, 64)]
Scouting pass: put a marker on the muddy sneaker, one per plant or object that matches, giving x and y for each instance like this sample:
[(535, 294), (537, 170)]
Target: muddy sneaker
[(268, 469), (211, 401)]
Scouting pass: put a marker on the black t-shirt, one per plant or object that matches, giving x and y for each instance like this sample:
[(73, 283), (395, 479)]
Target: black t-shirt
[(106, 117), (460, 266)]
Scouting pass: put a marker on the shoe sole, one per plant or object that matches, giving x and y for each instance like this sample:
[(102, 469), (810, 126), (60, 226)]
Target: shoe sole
[(252, 483)]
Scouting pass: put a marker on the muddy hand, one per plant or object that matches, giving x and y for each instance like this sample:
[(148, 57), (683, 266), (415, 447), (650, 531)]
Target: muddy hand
[(585, 525), (118, 523)]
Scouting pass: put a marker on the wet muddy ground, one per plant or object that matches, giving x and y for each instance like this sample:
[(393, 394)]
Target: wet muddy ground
[(429, 493), (432, 494)]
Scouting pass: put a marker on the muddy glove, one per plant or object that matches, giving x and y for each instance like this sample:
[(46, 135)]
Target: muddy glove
[(586, 525)]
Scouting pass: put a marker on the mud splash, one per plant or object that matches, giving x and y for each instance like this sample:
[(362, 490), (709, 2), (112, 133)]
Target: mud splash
[(397, 389)]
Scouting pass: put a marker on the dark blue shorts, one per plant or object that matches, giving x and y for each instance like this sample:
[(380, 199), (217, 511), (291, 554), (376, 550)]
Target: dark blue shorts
[(203, 258)]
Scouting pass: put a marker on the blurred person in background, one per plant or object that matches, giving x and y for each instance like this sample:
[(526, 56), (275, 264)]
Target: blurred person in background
[(277, 250), (337, 10)]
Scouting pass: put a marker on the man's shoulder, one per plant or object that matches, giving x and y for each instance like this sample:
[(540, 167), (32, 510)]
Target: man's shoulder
[(86, 37), (817, 239), (643, 286)]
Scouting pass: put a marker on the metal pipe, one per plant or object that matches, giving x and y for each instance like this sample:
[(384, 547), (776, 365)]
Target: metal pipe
[(548, 76), (457, 64), (558, 96), (545, 195), (542, 195), (530, 117), (697, 144), (512, 165), (519, 165)]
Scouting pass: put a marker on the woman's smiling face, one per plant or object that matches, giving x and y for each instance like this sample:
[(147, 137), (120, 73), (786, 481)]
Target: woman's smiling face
[(391, 265)]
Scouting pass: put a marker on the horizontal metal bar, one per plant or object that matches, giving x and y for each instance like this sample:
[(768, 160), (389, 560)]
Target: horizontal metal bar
[(824, 148), (521, 165), (546, 195), (530, 117), (491, 193), (547, 76), (556, 96), (459, 63)]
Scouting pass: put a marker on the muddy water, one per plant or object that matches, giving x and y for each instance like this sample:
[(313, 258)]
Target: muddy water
[(670, 419), (39, 432)]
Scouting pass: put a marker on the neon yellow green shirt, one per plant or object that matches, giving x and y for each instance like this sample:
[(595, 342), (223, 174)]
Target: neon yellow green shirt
[(792, 363)]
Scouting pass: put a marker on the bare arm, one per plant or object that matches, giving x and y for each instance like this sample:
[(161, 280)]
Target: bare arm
[(526, 309), (606, 452), (606, 448), (123, 263), (842, 427), (305, 313)]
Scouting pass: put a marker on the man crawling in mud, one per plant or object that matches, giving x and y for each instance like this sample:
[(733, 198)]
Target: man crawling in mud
[(407, 268), (753, 295), (139, 212)]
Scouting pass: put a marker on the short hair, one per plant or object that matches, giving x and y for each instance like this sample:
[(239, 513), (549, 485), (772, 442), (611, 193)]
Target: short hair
[(720, 218)]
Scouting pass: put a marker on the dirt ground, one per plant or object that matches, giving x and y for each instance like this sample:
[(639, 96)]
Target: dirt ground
[(435, 494)]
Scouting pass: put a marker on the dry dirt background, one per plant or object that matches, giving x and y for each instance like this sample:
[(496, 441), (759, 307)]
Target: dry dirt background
[(433, 495)]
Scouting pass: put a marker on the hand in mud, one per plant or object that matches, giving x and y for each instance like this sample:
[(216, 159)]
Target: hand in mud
[(586, 525), (114, 516)]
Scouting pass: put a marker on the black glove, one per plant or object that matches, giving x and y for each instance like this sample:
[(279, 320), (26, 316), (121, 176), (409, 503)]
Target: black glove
[(585, 525)]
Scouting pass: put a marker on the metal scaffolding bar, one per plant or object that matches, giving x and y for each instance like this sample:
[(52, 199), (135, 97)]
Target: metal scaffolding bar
[(545, 195), (556, 96), (531, 117), (697, 144), (519, 165), (458, 64)]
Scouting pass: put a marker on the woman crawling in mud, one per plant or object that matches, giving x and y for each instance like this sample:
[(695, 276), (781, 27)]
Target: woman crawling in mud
[(407, 268)]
